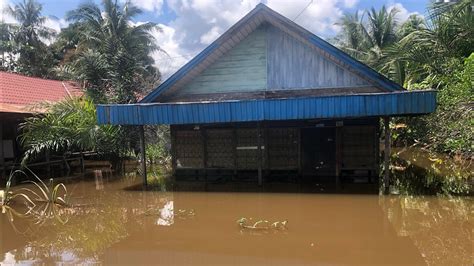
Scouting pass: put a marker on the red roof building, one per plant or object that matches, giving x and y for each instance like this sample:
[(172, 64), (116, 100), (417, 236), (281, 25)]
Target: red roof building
[(20, 94), (20, 97)]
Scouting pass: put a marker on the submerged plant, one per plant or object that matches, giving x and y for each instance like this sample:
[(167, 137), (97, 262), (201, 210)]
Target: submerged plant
[(7, 195), (56, 194), (47, 194)]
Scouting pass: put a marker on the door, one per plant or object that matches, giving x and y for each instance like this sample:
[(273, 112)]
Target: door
[(318, 151)]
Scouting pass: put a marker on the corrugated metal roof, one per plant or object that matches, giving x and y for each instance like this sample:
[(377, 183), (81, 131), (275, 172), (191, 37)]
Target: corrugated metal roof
[(339, 106), (239, 31)]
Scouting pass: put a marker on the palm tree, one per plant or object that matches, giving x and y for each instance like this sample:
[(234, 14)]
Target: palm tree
[(113, 55), (366, 39), (382, 27), (353, 38), (413, 23), (7, 61), (30, 30), (69, 125), (440, 45)]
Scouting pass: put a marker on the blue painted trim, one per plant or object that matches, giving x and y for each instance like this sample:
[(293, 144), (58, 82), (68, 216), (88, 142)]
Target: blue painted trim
[(339, 106)]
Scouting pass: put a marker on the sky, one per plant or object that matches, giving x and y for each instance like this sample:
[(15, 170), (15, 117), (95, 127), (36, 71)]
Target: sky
[(188, 26)]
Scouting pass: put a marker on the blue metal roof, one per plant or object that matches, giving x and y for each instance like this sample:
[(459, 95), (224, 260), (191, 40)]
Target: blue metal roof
[(267, 14), (332, 107)]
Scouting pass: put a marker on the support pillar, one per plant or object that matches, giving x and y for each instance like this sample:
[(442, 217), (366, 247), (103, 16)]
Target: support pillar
[(143, 156), (204, 156), (300, 165), (234, 151), (387, 152), (338, 156), (259, 154), (173, 152)]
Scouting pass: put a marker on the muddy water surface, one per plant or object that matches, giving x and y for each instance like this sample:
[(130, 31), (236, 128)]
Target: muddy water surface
[(113, 224)]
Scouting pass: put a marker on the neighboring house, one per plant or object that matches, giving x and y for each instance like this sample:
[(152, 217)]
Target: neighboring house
[(269, 97), (21, 97)]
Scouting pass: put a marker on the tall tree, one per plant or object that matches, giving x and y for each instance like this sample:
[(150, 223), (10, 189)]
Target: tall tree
[(34, 56), (367, 38), (113, 53), (434, 47), (7, 58)]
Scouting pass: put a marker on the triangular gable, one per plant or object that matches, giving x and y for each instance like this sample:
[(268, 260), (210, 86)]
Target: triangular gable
[(241, 69), (343, 68)]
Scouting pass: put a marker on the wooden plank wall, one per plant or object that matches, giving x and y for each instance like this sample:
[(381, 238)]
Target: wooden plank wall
[(295, 65), (241, 69)]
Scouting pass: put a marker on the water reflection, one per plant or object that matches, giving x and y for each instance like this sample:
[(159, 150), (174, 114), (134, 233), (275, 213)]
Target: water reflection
[(440, 228), (120, 226)]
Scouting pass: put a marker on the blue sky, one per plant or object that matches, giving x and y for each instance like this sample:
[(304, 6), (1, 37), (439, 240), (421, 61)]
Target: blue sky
[(188, 26), (58, 8)]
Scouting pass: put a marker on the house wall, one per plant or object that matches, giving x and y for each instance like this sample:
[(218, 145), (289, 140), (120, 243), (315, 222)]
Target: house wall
[(306, 147)]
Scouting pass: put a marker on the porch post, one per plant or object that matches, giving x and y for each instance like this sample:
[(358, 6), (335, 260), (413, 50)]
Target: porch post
[(204, 156), (234, 151), (143, 156), (173, 151), (338, 155), (387, 152), (259, 153)]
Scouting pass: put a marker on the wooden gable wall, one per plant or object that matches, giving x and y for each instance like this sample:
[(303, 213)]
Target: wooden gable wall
[(295, 65), (269, 60), (241, 69)]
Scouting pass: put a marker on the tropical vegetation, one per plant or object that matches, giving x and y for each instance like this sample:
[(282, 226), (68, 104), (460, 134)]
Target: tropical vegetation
[(70, 125), (431, 52), (103, 50)]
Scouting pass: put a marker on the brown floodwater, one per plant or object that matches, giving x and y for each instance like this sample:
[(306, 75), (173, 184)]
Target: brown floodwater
[(111, 223)]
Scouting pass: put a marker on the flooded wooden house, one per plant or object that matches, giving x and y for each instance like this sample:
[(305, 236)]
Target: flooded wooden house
[(269, 98)]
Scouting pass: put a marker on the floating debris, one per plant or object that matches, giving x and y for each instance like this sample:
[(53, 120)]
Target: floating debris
[(184, 212), (245, 223)]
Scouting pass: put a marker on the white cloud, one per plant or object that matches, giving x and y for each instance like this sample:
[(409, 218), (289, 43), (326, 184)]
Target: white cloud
[(149, 5), (403, 14), (211, 35), (350, 3), (4, 16), (319, 16), (174, 57), (55, 23)]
